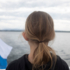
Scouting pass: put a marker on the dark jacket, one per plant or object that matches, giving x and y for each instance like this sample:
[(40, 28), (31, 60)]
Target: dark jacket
[(23, 64)]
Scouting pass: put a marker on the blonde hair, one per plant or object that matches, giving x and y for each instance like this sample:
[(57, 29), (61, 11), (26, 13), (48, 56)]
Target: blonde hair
[(40, 27)]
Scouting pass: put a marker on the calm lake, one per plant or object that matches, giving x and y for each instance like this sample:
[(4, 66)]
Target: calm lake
[(61, 44)]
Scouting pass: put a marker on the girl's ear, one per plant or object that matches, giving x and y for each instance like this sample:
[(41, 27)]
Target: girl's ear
[(24, 35)]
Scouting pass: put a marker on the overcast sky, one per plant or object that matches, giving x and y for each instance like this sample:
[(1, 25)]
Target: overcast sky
[(13, 13)]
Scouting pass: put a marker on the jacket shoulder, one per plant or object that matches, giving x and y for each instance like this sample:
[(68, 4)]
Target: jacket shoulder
[(15, 65), (61, 64), (12, 65)]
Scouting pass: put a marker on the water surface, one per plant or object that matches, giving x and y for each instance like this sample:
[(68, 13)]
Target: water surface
[(61, 45)]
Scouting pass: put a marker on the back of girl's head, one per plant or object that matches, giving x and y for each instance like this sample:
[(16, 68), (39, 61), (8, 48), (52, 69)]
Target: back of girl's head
[(39, 27)]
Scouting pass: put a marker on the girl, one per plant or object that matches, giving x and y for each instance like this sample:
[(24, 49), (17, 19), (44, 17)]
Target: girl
[(39, 30)]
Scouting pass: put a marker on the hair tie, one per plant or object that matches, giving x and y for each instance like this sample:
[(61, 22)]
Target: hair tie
[(40, 41)]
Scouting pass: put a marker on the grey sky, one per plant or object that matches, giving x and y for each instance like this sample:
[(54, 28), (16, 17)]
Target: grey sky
[(13, 13)]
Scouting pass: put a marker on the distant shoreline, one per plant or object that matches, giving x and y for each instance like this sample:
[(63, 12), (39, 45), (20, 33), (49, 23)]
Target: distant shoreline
[(23, 30), (11, 30)]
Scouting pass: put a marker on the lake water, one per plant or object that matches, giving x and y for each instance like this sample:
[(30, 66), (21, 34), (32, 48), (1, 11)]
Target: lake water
[(61, 45)]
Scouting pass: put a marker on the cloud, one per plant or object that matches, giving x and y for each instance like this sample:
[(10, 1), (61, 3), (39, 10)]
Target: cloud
[(61, 10), (13, 25), (15, 12), (12, 4), (62, 25), (55, 12)]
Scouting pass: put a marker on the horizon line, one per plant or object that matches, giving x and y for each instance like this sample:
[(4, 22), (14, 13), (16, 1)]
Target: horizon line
[(23, 30)]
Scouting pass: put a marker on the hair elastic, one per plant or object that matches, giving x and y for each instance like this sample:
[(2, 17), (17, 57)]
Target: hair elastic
[(40, 41)]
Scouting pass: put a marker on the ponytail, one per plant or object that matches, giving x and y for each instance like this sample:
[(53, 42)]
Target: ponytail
[(42, 55)]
